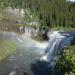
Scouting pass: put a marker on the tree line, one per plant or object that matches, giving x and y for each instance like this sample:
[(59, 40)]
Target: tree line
[(51, 13)]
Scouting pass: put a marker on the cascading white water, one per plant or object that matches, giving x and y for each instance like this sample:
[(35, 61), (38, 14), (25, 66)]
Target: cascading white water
[(56, 43)]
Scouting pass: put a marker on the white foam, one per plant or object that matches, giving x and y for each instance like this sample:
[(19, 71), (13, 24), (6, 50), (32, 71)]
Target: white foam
[(13, 73), (20, 40)]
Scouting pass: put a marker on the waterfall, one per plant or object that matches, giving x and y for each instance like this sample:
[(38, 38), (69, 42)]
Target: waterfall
[(57, 42)]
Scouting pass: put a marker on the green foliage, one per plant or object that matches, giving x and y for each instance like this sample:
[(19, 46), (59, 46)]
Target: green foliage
[(6, 48), (52, 13), (66, 63)]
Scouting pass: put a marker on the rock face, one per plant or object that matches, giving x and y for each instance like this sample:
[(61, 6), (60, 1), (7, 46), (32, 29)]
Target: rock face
[(28, 31)]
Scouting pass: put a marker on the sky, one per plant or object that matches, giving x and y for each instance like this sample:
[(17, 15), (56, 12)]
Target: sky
[(72, 0)]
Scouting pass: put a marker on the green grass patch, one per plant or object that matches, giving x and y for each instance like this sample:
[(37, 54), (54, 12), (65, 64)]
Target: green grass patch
[(66, 63), (6, 48)]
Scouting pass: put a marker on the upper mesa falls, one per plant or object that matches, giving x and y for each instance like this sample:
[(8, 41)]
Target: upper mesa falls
[(58, 40), (30, 59)]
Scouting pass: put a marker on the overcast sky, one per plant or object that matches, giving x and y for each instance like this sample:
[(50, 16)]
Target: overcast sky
[(72, 0)]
